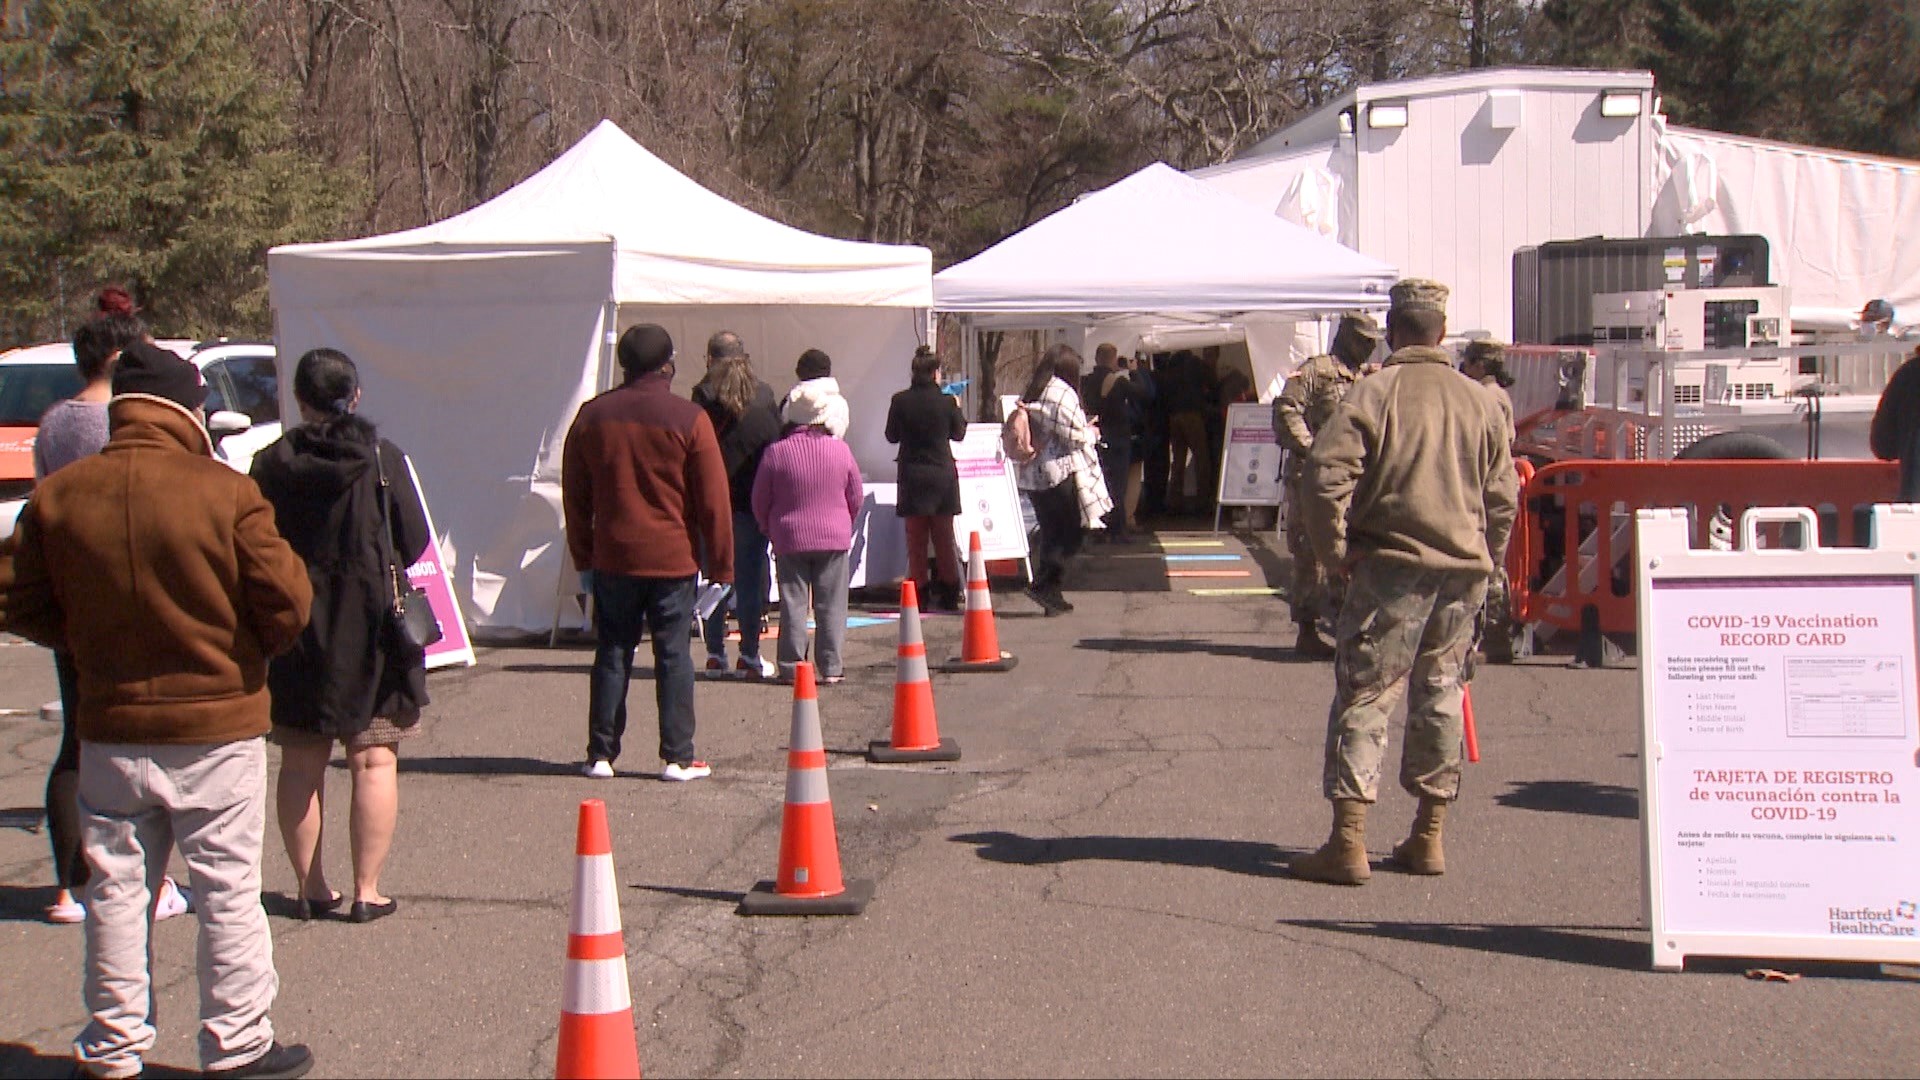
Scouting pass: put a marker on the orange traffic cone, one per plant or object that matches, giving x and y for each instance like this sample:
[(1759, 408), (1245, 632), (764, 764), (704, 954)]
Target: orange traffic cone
[(979, 641), (808, 881), (916, 734), (596, 1006)]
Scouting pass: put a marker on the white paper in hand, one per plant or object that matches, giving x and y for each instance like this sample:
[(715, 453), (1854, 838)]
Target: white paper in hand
[(710, 599)]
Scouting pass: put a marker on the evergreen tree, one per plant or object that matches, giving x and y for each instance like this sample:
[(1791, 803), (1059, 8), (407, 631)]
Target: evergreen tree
[(1835, 73), (141, 143)]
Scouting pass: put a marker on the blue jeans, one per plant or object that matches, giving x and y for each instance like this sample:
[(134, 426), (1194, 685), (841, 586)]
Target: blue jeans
[(622, 608), (750, 583)]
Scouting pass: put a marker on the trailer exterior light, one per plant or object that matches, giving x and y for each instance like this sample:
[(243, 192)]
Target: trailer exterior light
[(1387, 116), (1620, 103)]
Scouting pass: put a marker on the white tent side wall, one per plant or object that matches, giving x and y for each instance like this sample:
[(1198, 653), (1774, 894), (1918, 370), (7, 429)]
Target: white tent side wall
[(872, 350), (474, 363), (1307, 186), (1839, 226), (1451, 195)]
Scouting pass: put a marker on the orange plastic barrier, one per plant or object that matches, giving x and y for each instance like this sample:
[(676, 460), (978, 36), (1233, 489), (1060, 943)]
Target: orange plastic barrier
[(1572, 544)]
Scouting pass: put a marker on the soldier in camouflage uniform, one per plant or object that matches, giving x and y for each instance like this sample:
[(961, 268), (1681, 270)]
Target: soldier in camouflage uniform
[(1302, 409), (1410, 493), (1485, 362)]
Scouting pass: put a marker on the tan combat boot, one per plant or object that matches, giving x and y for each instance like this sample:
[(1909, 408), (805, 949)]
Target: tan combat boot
[(1342, 860), (1420, 853)]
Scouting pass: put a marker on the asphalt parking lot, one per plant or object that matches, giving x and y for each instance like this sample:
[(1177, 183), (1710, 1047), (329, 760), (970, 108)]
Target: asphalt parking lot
[(1095, 889)]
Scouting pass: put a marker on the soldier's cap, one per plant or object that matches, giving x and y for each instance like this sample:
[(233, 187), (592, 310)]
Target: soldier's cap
[(1417, 294), (1361, 323), (1484, 350)]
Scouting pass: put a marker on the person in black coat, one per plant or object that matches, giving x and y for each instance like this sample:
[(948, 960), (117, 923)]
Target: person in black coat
[(925, 422), (343, 682), (1895, 431), (745, 420), (1114, 396)]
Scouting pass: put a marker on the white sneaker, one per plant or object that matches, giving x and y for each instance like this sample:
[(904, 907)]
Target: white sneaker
[(758, 667), (599, 770), (173, 900), (692, 770)]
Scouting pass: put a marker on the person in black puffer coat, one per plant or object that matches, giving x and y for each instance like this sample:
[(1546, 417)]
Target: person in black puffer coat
[(343, 682)]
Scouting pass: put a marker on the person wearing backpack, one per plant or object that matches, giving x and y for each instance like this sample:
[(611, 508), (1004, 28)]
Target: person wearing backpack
[(1062, 476), (1114, 397)]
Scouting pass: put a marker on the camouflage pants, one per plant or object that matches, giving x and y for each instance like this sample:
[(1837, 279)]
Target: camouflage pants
[(1311, 595), (1404, 631)]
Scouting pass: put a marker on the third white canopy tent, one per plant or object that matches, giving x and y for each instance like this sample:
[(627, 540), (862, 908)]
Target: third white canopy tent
[(1161, 260)]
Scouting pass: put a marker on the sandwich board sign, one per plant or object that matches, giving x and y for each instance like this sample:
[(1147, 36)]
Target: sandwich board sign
[(989, 498), (1249, 460), (430, 575), (1780, 784)]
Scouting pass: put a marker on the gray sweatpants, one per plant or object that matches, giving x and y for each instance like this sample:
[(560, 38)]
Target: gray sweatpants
[(137, 802), (813, 581)]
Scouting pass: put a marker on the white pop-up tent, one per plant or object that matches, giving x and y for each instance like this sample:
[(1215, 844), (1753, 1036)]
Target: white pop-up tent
[(1157, 250), (479, 336)]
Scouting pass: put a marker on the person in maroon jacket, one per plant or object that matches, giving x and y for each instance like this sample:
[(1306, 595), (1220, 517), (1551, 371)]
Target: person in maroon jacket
[(644, 489)]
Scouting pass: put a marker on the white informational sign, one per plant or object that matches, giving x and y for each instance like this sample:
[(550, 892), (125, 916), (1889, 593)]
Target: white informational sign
[(1781, 760), (989, 498), (1250, 459)]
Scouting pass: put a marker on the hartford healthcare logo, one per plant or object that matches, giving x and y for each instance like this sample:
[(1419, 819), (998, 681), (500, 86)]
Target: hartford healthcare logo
[(1896, 921)]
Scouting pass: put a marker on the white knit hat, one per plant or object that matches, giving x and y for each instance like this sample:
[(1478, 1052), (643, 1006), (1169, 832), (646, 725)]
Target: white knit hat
[(808, 404)]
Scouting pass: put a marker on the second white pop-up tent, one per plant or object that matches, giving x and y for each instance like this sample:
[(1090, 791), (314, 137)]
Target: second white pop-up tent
[(1159, 249), (479, 336)]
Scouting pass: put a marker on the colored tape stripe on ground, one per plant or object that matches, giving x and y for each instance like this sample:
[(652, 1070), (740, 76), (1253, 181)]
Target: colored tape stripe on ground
[(1250, 591), (1209, 573), (1192, 543), (1201, 558)]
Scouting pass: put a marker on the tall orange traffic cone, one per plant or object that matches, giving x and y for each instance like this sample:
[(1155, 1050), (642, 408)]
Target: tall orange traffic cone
[(808, 881), (979, 641), (916, 733), (596, 1005)]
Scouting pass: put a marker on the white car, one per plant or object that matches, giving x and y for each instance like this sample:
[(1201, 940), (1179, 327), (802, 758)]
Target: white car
[(243, 405)]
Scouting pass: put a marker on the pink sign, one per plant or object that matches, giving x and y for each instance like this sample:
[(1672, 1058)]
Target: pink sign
[(430, 576)]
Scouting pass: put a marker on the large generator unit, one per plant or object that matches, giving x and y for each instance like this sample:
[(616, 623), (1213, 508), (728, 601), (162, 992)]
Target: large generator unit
[(1554, 284), (1699, 320)]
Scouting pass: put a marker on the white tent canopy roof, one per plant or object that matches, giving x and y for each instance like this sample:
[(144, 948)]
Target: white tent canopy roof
[(478, 337), (677, 242), (1162, 241)]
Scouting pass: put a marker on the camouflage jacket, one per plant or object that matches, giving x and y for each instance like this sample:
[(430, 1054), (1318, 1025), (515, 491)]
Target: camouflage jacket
[(1306, 403), (1416, 468)]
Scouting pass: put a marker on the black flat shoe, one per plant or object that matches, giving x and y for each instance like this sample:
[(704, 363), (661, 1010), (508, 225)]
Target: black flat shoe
[(280, 1062), (308, 910), (364, 912)]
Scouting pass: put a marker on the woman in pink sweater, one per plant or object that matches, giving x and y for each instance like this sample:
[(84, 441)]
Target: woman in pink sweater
[(805, 497)]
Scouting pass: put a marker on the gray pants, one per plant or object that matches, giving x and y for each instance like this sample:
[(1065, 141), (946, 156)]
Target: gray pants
[(813, 581), (137, 802)]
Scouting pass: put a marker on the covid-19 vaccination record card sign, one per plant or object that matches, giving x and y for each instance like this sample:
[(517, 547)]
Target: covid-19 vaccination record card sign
[(1780, 807)]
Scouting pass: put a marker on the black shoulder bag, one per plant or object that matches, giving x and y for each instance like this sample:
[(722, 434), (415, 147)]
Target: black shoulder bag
[(411, 627)]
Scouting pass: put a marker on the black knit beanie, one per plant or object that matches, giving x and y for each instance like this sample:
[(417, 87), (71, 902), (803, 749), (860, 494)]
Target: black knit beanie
[(145, 368)]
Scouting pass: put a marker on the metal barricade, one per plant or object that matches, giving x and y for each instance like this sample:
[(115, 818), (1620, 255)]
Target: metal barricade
[(1570, 562)]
